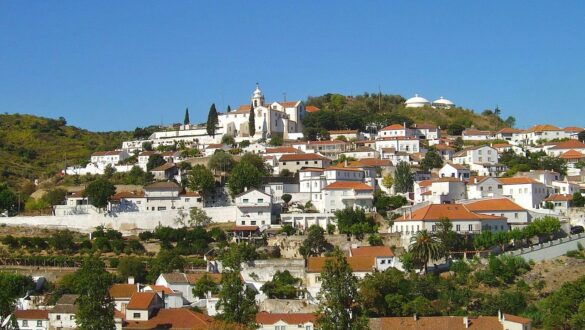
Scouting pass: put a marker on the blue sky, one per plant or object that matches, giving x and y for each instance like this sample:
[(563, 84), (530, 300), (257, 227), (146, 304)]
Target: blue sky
[(110, 65)]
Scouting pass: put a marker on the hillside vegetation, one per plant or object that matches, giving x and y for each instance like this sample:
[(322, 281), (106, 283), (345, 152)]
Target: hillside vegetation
[(358, 112), (38, 148)]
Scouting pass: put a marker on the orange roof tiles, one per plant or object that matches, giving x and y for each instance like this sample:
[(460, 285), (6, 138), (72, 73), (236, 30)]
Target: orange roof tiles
[(265, 318), (454, 212), (542, 128), (283, 150), (572, 154), (345, 131), (311, 108), (499, 204), (517, 319), (394, 127), (509, 130), (31, 314), (194, 277), (141, 300), (437, 323), (517, 180), (122, 290), (294, 157), (343, 185), (127, 194), (374, 162), (174, 318), (572, 129), (160, 288), (569, 144), (559, 198), (357, 264), (372, 251)]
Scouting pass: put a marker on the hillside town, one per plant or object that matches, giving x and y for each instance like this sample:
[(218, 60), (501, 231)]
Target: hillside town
[(245, 222)]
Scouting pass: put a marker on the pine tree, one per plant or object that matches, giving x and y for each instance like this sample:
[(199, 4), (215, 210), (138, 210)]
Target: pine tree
[(212, 120), (252, 121), (186, 121), (236, 300)]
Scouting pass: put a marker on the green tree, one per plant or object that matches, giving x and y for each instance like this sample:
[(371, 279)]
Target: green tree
[(431, 160), (155, 161), (446, 235), (228, 139), (55, 196), (236, 300), (166, 261), (286, 198), (282, 286), (221, 161), (95, 308), (339, 301), (276, 140), (244, 176), (204, 285), (355, 222), (201, 180), (99, 192), (186, 120), (388, 181), (12, 287), (252, 121), (8, 198), (233, 256), (545, 227), (578, 200), (315, 244), (132, 266), (198, 217), (137, 176), (212, 120), (255, 160), (425, 247), (109, 171), (403, 179), (62, 241), (229, 108), (375, 240)]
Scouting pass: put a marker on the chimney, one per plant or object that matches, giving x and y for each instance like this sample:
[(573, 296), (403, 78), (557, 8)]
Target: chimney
[(415, 317), (245, 188), (500, 316), (130, 279), (466, 322), (345, 163)]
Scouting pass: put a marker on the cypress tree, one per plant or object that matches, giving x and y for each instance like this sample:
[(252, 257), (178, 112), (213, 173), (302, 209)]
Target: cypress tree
[(212, 120), (252, 121), (229, 109), (186, 121)]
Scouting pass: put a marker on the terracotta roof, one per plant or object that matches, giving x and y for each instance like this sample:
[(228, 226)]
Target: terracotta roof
[(141, 300), (542, 128), (357, 264), (326, 142), (106, 153), (573, 129), (31, 314), (374, 162), (476, 132), (122, 290), (160, 288), (342, 185), (344, 131), (559, 198), (340, 167), (436, 323), (501, 145), (174, 318), (424, 126), (308, 156), (190, 194), (311, 169), (509, 130), (175, 278), (283, 150), (572, 154), (569, 144), (194, 277), (454, 212), (147, 153), (498, 204), (516, 319), (311, 108), (442, 147), (244, 108), (394, 127), (289, 104), (244, 228), (372, 251), (265, 318), (127, 194), (517, 180), (395, 138), (162, 186)]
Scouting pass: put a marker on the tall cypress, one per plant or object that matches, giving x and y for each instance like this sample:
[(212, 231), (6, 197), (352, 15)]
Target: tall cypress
[(186, 121), (229, 109), (212, 120), (252, 121)]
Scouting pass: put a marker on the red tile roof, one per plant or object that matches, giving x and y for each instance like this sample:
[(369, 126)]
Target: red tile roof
[(311, 108), (357, 264), (516, 319), (497, 204), (345, 131), (542, 128), (265, 318), (31, 314), (572, 154), (569, 144), (517, 180), (559, 198), (175, 318), (454, 212), (308, 156), (141, 300), (283, 150), (372, 251), (438, 323), (122, 290), (394, 127), (344, 185), (572, 129)]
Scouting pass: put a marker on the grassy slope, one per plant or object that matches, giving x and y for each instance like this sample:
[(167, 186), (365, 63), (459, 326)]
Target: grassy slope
[(36, 148)]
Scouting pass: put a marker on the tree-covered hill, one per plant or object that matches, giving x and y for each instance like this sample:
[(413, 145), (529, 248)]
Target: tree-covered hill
[(357, 112), (37, 148)]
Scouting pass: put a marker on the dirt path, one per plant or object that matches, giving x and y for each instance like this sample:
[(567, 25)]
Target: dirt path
[(555, 272)]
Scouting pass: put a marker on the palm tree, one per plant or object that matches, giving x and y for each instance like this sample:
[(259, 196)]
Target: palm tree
[(425, 247)]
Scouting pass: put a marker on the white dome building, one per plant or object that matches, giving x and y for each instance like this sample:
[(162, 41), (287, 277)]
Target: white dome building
[(416, 102), (443, 103)]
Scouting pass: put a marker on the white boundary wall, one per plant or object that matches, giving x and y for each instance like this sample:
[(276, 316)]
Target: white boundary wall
[(127, 222)]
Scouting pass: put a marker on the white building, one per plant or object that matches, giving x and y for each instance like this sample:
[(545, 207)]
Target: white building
[(471, 134), (254, 208), (454, 171), (503, 207), (525, 192), (417, 102), (479, 187), (562, 147), (395, 130), (32, 319), (286, 321), (62, 316), (399, 144), (443, 103), (105, 158), (362, 152), (439, 191), (342, 194), (539, 133), (477, 155)]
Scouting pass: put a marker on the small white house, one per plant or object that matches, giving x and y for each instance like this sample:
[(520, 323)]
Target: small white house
[(454, 171), (254, 208), (32, 319)]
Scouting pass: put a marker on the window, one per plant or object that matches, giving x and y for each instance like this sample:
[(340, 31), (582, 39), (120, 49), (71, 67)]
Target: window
[(458, 228), (470, 227), (260, 200), (253, 223), (515, 215), (244, 200), (136, 315), (162, 208), (283, 163), (58, 317), (298, 163), (306, 162), (315, 162), (260, 213), (72, 317), (39, 323), (383, 261), (24, 323), (433, 228)]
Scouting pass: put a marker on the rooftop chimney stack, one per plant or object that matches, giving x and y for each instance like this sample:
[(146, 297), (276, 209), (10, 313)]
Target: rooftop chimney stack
[(466, 322)]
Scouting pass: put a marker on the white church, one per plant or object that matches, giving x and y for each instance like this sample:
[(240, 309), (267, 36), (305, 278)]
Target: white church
[(270, 118)]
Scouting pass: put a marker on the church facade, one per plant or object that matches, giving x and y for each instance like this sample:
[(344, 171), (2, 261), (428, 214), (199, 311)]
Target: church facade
[(269, 118)]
